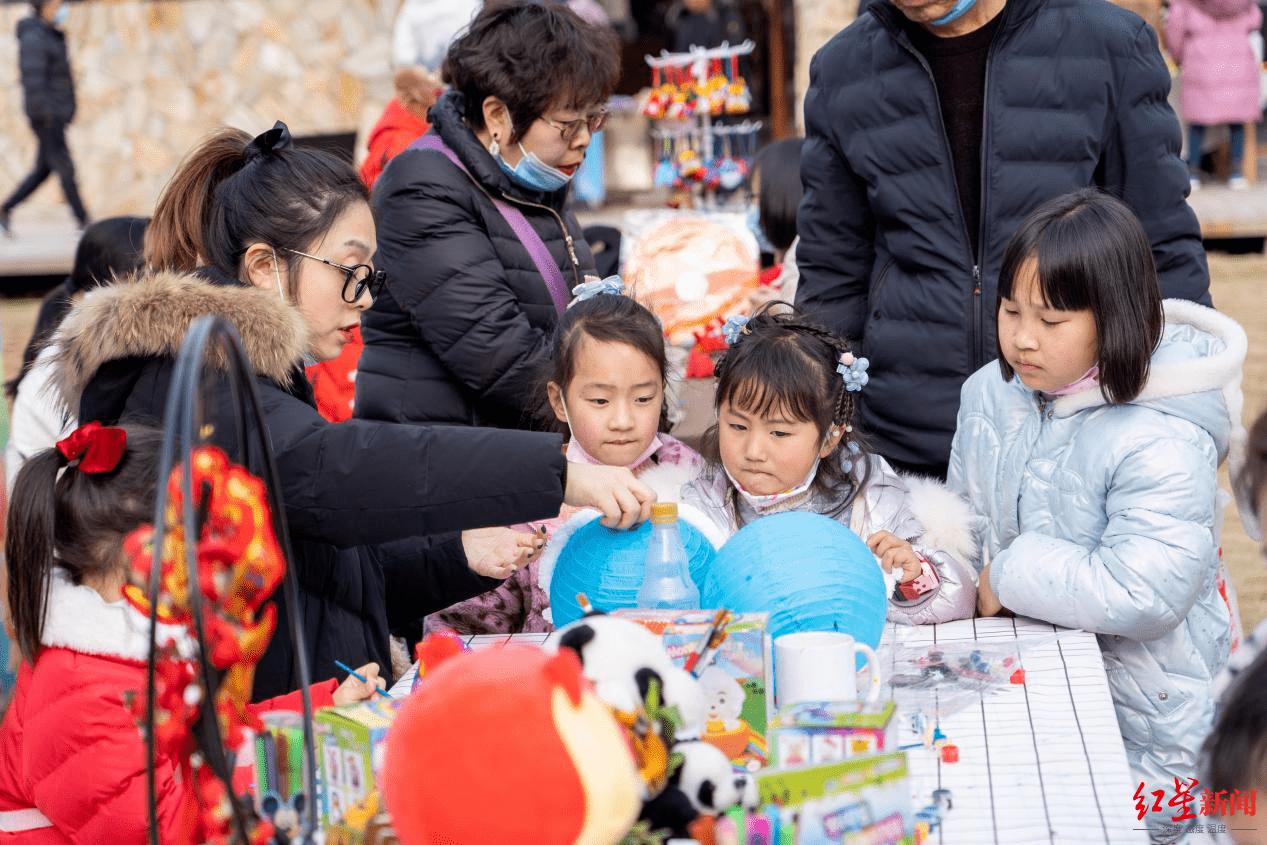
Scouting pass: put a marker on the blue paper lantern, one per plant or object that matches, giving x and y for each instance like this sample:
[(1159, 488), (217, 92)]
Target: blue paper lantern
[(809, 571), (607, 566)]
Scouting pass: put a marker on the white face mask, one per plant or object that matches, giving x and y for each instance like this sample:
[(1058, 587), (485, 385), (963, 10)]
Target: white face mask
[(576, 452), (774, 502)]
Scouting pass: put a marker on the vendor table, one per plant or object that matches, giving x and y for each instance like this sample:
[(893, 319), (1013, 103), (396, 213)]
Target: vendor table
[(1039, 762)]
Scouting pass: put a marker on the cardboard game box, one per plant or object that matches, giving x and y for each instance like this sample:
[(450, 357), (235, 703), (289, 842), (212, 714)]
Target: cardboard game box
[(738, 682), (866, 799), (350, 757), (827, 731)]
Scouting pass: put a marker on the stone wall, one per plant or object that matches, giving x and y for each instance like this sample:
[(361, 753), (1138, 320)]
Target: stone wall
[(816, 22), (154, 78)]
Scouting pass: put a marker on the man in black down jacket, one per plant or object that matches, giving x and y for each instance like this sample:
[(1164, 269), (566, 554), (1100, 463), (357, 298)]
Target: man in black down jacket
[(48, 93), (928, 140)]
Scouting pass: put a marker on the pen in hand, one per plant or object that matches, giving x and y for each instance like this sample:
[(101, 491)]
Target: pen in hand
[(361, 678)]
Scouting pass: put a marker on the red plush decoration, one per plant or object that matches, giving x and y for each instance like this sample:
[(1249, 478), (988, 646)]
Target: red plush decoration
[(506, 745), (240, 563)]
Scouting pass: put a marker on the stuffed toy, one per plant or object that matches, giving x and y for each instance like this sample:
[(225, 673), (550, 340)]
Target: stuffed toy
[(516, 728), (703, 784), (632, 673), (621, 658)]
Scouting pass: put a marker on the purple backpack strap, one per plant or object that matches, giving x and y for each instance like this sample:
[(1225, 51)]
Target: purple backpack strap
[(537, 250)]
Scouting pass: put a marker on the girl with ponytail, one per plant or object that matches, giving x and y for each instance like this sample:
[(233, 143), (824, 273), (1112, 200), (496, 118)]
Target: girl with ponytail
[(72, 759)]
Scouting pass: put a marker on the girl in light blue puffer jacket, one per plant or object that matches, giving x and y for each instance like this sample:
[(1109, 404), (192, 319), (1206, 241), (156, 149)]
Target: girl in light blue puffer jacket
[(1092, 463)]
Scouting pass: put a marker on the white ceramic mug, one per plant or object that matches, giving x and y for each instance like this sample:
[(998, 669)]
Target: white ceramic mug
[(821, 666)]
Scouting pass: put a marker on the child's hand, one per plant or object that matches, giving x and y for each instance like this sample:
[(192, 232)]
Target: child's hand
[(896, 553), (624, 500), (988, 603), (498, 552), (351, 691)]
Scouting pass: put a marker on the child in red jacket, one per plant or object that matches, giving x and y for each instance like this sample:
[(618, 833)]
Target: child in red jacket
[(72, 759)]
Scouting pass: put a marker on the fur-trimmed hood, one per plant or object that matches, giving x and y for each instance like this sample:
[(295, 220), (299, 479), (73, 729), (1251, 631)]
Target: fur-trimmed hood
[(148, 316)]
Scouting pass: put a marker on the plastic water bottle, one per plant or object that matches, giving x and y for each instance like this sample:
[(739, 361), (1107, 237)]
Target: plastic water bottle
[(666, 580)]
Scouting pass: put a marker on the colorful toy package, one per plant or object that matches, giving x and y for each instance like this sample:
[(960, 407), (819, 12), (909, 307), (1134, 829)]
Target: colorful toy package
[(737, 679), (275, 760), (827, 731), (350, 758), (866, 799)]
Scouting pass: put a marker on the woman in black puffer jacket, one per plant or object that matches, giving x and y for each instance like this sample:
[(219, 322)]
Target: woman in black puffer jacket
[(466, 316), (285, 240)]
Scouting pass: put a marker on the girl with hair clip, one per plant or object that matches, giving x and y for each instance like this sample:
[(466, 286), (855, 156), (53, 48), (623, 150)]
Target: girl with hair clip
[(605, 388), (785, 440), (72, 761), (1091, 452), (283, 242)]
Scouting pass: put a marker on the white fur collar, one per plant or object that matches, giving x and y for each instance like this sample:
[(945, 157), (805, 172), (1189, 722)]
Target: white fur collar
[(78, 618)]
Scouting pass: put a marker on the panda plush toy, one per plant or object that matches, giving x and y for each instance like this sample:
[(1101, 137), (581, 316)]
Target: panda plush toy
[(705, 784), (621, 658)]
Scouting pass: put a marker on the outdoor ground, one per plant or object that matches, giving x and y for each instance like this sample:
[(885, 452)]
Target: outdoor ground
[(1239, 287)]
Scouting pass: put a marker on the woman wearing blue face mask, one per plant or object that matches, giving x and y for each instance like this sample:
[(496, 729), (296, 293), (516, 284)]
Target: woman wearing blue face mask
[(480, 253)]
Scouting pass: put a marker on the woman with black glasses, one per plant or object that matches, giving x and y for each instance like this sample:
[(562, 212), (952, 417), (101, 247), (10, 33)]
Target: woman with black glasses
[(283, 240), (480, 253)]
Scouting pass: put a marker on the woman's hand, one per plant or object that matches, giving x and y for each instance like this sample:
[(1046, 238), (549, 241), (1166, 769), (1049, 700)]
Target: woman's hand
[(352, 690), (623, 499), (896, 553), (498, 552), (988, 603)]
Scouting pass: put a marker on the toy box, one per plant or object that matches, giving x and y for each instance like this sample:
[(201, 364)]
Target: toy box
[(737, 680), (350, 746), (270, 765), (866, 799), (827, 731)]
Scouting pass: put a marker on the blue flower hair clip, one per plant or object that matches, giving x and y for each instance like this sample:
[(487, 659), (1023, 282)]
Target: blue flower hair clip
[(734, 327), (853, 371), (589, 290)]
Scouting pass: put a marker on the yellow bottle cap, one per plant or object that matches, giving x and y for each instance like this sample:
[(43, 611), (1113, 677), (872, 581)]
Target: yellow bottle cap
[(664, 512)]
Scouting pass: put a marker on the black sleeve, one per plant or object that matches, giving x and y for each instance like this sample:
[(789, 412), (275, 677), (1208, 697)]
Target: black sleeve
[(426, 574), (362, 482), (34, 63), (1141, 165)]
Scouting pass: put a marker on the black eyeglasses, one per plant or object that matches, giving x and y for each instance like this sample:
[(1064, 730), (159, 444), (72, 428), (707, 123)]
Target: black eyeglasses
[(569, 129), (358, 278)]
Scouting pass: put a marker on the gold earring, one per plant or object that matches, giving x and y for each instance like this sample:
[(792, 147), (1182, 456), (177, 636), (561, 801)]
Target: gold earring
[(494, 148)]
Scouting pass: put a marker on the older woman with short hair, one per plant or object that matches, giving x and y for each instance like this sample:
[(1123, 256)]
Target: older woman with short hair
[(479, 250)]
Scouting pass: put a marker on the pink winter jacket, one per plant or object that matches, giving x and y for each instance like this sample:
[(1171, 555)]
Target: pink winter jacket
[(1209, 40)]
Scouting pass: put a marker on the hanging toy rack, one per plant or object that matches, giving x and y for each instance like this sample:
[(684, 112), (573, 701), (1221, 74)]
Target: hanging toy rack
[(189, 703), (689, 92)]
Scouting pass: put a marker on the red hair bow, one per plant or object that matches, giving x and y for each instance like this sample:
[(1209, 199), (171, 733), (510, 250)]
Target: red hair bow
[(98, 448)]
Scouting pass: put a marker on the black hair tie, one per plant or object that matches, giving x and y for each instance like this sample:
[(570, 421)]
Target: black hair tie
[(267, 143)]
